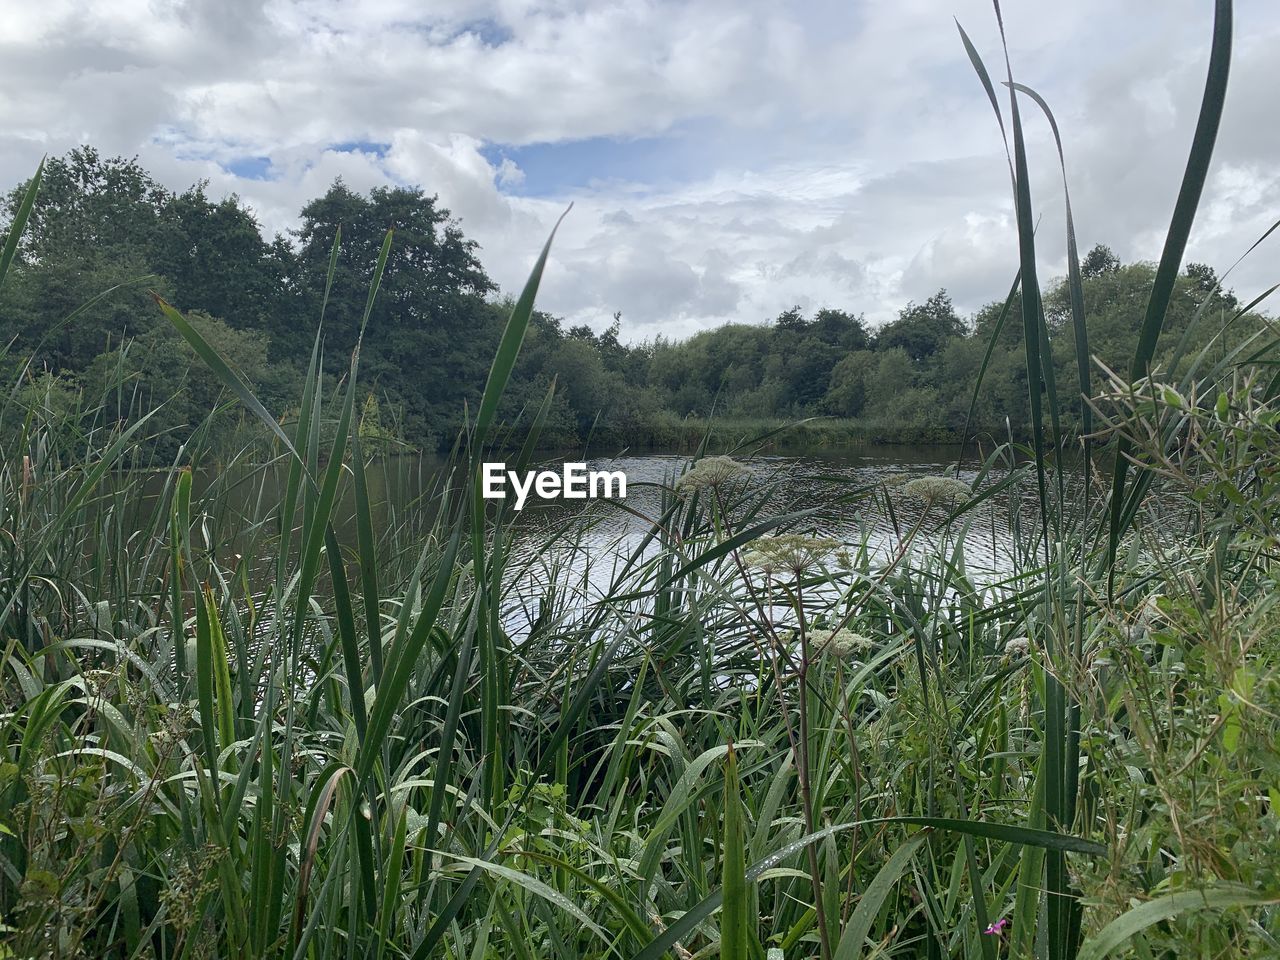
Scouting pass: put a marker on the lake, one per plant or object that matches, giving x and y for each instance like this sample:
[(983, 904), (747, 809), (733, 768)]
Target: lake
[(576, 544), (590, 536)]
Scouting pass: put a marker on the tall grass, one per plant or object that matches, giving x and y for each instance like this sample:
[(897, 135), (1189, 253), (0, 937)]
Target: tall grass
[(232, 731)]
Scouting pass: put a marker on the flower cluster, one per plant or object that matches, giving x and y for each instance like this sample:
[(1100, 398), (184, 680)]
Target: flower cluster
[(790, 551), (1017, 647), (1147, 619), (938, 490), (839, 643), (709, 472)]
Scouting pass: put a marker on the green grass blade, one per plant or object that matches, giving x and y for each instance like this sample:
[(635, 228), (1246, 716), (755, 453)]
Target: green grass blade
[(10, 249), (403, 661), (1184, 212), (1133, 921), (232, 380), (538, 888), (1005, 310), (367, 557), (873, 897), (1009, 833), (1075, 285), (509, 348), (733, 914)]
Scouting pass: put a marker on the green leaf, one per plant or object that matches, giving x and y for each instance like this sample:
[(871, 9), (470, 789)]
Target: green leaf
[(1132, 922), (538, 888), (20, 222), (512, 337), (873, 897), (733, 915), (1184, 212)]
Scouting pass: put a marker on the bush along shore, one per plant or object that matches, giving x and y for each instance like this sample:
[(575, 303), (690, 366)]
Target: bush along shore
[(230, 733)]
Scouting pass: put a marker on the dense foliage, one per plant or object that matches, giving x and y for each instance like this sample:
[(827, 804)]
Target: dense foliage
[(226, 732), (265, 711), (104, 224)]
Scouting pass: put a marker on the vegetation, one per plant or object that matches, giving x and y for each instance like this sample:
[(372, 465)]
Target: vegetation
[(103, 224), (242, 735)]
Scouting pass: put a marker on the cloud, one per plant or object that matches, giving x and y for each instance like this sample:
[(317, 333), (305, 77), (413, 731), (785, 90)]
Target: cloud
[(726, 160)]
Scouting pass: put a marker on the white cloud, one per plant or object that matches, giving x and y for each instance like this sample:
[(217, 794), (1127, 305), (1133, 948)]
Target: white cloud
[(830, 154)]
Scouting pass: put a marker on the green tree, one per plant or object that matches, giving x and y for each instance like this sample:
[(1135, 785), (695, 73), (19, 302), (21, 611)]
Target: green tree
[(432, 331), (217, 260), (847, 390), (110, 206), (159, 370), (1098, 261), (922, 329), (67, 307)]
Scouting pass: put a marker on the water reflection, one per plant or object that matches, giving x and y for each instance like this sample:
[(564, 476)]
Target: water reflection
[(579, 547)]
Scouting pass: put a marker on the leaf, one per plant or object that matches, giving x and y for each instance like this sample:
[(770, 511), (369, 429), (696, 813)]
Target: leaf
[(20, 222), (537, 887), (504, 360), (733, 915), (873, 897), (229, 377), (1184, 212), (1120, 930)]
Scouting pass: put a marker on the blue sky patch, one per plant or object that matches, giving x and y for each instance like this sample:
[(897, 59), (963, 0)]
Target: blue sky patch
[(361, 146), (553, 169), (487, 30), (249, 168)]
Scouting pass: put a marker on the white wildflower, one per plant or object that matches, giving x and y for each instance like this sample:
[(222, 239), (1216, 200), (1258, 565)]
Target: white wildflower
[(839, 643), (709, 472), (1017, 647), (790, 551), (938, 490)]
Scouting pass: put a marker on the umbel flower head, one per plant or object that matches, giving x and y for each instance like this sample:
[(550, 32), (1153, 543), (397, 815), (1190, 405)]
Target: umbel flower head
[(1017, 647), (938, 490), (706, 473), (790, 551), (839, 643), (1147, 619)]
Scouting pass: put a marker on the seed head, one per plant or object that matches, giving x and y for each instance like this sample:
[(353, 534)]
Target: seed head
[(709, 472), (932, 490), (790, 552)]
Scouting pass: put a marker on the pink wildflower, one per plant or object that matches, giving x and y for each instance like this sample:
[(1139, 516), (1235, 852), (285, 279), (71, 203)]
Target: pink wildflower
[(997, 928)]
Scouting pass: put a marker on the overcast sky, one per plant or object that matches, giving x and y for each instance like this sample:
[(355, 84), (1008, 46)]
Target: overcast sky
[(726, 158)]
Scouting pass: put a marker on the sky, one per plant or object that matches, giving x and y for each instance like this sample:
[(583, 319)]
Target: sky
[(725, 159)]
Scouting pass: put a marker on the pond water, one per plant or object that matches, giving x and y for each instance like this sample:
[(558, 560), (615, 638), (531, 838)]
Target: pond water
[(577, 544), (845, 484)]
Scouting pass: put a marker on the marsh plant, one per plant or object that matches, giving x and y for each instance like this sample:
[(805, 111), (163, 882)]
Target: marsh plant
[(233, 731)]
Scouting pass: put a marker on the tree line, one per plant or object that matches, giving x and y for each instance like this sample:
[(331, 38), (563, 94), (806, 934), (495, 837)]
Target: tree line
[(80, 329)]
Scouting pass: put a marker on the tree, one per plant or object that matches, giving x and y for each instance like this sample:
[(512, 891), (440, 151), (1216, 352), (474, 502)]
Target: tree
[(1204, 284), (431, 333), (87, 203), (841, 329), (923, 328), (847, 390), (159, 370), (215, 256), (68, 307), (581, 377), (1098, 261), (792, 319)]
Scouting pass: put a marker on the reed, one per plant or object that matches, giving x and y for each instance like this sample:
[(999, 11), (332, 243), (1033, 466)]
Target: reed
[(260, 712)]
